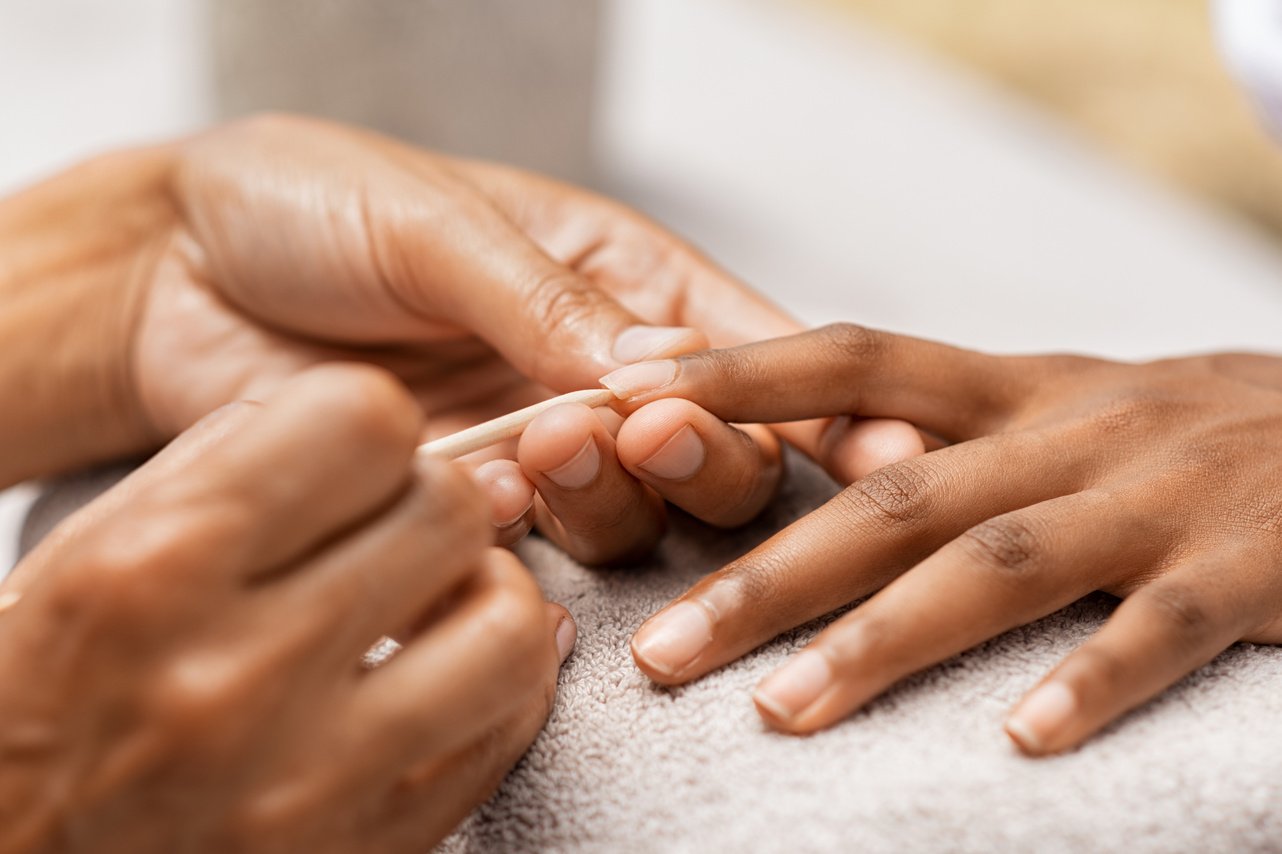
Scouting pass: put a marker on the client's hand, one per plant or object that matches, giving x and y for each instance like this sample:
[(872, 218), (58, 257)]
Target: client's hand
[(181, 672), (276, 243), (1160, 483)]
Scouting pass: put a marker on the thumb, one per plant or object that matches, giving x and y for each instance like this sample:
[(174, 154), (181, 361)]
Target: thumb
[(550, 322)]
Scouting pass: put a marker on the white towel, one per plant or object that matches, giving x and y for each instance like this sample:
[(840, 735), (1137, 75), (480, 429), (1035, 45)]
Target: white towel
[(626, 766)]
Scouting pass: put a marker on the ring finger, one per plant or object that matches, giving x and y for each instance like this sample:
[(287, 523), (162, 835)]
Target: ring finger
[(1005, 572)]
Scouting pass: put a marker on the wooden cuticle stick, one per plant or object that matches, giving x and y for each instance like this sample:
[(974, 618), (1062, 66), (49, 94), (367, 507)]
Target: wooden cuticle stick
[(508, 426)]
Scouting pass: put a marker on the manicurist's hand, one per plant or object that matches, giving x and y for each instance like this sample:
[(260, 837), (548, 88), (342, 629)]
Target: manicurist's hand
[(181, 668), (151, 287), (1160, 483)]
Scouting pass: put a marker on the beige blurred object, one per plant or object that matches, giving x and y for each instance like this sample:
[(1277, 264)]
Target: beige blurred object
[(507, 80), (1143, 77)]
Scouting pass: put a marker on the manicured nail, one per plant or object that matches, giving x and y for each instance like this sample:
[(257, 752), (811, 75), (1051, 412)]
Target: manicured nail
[(8, 599), (790, 690), (581, 470), (1043, 715), (679, 458), (672, 639), (501, 523), (643, 342), (640, 378), (566, 634)]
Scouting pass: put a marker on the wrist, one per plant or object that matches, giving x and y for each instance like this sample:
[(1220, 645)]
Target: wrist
[(75, 256)]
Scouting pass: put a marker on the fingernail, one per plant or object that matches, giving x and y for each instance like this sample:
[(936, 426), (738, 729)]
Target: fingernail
[(580, 470), (566, 633), (1043, 715), (672, 639), (680, 458), (498, 523), (8, 599), (642, 342), (790, 690), (640, 378), (832, 434)]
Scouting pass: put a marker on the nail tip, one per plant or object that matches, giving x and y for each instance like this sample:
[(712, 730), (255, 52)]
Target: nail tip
[(567, 635), (650, 666), (580, 470), (770, 709), (1023, 737), (8, 599), (637, 343)]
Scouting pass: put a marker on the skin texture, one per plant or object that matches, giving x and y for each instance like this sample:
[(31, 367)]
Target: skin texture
[(181, 672), (1157, 483), (215, 268), (208, 602), (177, 662)]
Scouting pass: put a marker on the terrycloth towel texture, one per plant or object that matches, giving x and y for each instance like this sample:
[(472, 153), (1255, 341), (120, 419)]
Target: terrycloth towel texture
[(627, 766)]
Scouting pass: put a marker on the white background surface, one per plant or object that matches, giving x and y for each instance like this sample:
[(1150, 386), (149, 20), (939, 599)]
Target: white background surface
[(845, 175)]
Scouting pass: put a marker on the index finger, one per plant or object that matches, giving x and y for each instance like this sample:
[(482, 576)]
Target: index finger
[(838, 370)]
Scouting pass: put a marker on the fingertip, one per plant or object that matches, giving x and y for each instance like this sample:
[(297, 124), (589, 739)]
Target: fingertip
[(852, 449), (554, 438), (652, 427), (1024, 740), (670, 644), (640, 342), (510, 492), (565, 630), (1043, 721), (368, 402)]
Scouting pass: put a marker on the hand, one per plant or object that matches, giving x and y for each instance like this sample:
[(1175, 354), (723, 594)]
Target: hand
[(181, 671), (1159, 483), (269, 245)]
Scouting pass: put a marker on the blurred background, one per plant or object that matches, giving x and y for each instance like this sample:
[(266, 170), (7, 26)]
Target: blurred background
[(1066, 174)]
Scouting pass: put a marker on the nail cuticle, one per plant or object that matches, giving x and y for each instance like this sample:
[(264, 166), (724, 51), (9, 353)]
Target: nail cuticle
[(580, 470), (515, 519), (678, 459)]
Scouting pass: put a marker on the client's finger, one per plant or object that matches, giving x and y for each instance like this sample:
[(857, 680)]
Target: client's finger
[(851, 546), (839, 370), (511, 497), (850, 448), (1002, 573), (719, 473), (1159, 634), (595, 510)]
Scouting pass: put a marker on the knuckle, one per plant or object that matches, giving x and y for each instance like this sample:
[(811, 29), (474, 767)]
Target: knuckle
[(559, 298), (756, 581), (514, 618), (850, 343), (1132, 409), (196, 694), (1008, 544), (368, 405), (445, 498), (853, 641), (897, 495), (1103, 670), (1179, 607), (1260, 516), (129, 565)]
